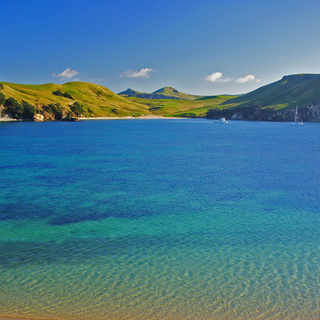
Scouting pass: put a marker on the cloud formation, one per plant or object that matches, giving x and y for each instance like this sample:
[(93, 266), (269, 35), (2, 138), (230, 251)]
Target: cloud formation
[(218, 77), (66, 74), (143, 73), (248, 78)]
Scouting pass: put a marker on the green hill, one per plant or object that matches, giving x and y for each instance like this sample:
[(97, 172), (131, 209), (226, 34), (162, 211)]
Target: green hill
[(292, 90), (184, 108), (96, 100), (273, 102), (163, 93)]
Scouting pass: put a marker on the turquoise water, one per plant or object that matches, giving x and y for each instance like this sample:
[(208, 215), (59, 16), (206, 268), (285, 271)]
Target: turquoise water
[(159, 219)]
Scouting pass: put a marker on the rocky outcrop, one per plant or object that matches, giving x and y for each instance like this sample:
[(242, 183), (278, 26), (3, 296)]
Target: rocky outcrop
[(38, 117), (256, 113), (70, 118), (237, 116), (312, 112)]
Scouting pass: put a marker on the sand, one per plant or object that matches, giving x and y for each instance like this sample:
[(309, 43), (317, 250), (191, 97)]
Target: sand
[(129, 118)]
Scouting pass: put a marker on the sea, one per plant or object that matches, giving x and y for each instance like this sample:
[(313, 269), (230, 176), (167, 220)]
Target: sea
[(159, 219)]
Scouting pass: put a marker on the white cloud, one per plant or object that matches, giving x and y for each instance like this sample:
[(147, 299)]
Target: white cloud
[(248, 78), (66, 74), (217, 77), (143, 73), (213, 77)]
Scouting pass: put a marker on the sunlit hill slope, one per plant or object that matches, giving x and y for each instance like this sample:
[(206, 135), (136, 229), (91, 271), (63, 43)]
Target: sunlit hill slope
[(95, 99)]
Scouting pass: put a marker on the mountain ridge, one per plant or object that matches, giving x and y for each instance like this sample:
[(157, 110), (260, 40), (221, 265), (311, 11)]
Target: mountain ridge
[(289, 91), (273, 101), (163, 93)]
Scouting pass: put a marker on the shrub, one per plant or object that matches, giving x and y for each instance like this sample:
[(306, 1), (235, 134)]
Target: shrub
[(77, 109), (2, 98), (13, 108), (62, 94), (28, 110)]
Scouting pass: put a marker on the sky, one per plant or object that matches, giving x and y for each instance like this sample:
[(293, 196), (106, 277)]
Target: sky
[(198, 47)]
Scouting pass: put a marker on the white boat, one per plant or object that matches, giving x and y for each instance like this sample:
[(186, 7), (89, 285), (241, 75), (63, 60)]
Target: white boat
[(296, 122), (222, 120)]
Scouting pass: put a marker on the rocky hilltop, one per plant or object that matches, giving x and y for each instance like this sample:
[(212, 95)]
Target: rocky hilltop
[(163, 93)]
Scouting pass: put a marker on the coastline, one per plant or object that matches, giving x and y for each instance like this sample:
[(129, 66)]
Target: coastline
[(130, 118), (7, 120), (10, 318), (106, 118)]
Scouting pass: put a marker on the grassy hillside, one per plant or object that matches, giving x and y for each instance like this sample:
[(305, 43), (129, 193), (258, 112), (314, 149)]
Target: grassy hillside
[(300, 89), (184, 108), (163, 93), (97, 100)]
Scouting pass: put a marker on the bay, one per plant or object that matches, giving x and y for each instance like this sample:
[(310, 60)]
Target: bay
[(159, 219)]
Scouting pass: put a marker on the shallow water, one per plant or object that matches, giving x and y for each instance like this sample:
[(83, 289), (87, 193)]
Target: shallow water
[(159, 219)]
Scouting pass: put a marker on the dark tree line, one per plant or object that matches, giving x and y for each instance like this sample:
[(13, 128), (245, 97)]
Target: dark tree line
[(254, 111), (26, 111), (62, 94)]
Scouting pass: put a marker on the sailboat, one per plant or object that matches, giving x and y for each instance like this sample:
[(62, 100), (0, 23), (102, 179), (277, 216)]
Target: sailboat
[(296, 122), (222, 120)]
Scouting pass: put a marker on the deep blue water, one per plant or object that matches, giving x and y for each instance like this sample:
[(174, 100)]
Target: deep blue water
[(159, 219)]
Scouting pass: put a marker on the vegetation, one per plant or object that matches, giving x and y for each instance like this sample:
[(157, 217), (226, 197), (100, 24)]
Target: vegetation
[(77, 109), (163, 93), (2, 98), (95, 100), (300, 89), (19, 111), (62, 94), (183, 108), (273, 102), (54, 109)]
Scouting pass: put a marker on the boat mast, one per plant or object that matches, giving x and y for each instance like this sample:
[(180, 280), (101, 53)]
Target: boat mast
[(296, 115)]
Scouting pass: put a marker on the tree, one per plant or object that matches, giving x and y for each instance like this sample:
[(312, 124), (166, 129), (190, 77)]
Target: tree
[(13, 108), (77, 109), (2, 98), (62, 94), (2, 101), (28, 110), (57, 110)]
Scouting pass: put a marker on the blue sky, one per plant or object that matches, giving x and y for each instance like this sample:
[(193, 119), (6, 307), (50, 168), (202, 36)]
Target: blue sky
[(199, 47)]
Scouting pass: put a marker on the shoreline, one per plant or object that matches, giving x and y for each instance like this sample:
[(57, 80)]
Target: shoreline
[(15, 318), (130, 118), (101, 118)]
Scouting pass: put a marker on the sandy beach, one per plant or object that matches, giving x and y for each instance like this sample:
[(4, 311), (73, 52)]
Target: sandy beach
[(108, 118), (129, 118), (7, 318)]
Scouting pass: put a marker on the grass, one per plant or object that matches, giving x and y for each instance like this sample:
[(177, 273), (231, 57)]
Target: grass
[(165, 93), (180, 108), (97, 100), (301, 89)]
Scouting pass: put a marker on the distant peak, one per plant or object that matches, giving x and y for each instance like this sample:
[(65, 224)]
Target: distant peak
[(300, 76), (166, 89), (128, 91)]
